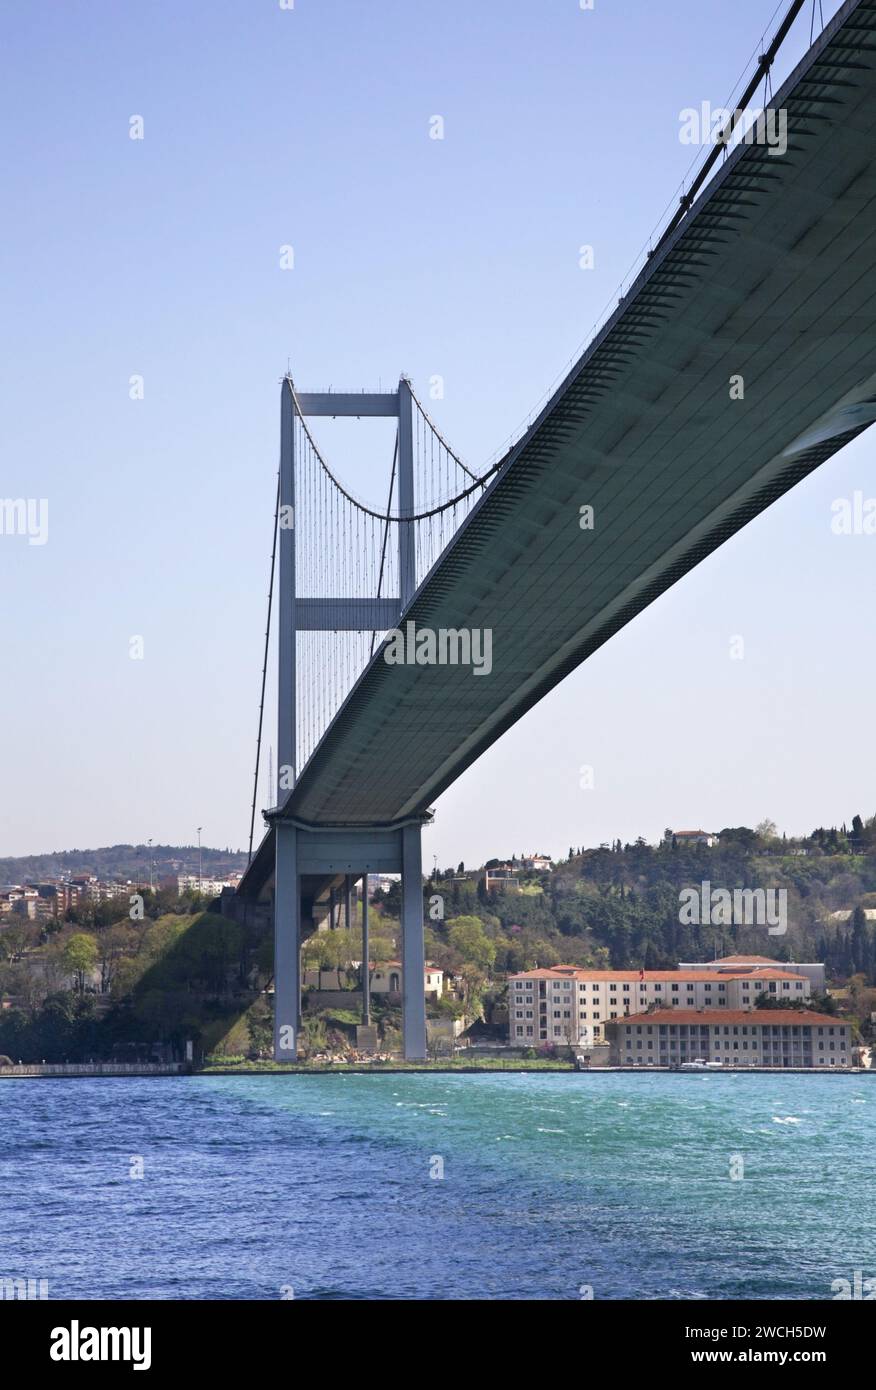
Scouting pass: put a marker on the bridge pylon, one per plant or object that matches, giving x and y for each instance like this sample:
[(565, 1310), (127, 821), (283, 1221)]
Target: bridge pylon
[(308, 855)]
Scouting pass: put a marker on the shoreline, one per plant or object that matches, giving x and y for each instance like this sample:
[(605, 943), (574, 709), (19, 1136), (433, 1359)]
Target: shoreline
[(75, 1072)]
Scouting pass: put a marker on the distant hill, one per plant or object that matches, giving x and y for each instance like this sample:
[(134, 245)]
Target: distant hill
[(123, 862)]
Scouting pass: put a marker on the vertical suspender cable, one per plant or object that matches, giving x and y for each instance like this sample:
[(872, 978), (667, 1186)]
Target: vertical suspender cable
[(255, 788)]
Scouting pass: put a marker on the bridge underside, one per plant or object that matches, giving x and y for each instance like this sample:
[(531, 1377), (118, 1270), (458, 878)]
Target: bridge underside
[(770, 278)]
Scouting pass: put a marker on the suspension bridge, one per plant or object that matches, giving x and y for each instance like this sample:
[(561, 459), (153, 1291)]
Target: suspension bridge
[(741, 357)]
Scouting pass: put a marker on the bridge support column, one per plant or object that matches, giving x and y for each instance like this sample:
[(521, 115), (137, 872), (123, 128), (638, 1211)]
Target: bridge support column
[(366, 956), (413, 947), (287, 944)]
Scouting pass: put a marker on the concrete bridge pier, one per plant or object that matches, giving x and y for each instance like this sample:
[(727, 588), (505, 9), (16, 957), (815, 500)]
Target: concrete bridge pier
[(305, 858)]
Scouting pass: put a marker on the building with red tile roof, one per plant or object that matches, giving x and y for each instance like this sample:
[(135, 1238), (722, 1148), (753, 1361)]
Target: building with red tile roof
[(774, 1038), (572, 1004)]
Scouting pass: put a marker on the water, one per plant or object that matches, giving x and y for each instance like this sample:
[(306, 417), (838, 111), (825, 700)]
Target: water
[(321, 1186)]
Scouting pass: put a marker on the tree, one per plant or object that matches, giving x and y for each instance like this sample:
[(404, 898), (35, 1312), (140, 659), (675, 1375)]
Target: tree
[(16, 939), (79, 956), (467, 937), (319, 954), (860, 942), (113, 945), (345, 946)]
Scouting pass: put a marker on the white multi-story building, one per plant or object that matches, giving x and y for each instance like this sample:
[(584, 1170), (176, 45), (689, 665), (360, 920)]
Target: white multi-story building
[(569, 1004), (208, 887)]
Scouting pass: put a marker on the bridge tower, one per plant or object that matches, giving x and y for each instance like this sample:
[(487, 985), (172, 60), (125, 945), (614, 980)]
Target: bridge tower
[(307, 852)]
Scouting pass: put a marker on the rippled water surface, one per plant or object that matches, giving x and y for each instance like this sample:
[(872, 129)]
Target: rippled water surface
[(325, 1186)]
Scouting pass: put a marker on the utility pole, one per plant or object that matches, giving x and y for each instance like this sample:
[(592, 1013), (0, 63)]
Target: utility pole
[(200, 876), (151, 864)]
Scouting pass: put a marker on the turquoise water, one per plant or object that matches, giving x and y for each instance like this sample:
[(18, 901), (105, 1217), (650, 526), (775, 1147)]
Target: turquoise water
[(323, 1187)]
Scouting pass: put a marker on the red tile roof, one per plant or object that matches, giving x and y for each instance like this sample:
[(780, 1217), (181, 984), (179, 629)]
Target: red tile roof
[(756, 1016), (569, 972)]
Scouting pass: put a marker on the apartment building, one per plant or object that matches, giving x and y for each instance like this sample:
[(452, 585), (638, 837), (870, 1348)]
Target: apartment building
[(19, 901), (208, 887), (54, 899), (91, 890), (737, 1037), (569, 1004)]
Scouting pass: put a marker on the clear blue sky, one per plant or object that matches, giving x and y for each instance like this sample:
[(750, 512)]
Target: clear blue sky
[(160, 257)]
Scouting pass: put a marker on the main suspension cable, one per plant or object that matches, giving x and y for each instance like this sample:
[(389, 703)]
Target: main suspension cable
[(369, 511)]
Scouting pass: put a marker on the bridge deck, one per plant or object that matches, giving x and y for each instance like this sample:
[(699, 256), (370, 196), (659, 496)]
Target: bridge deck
[(772, 275)]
